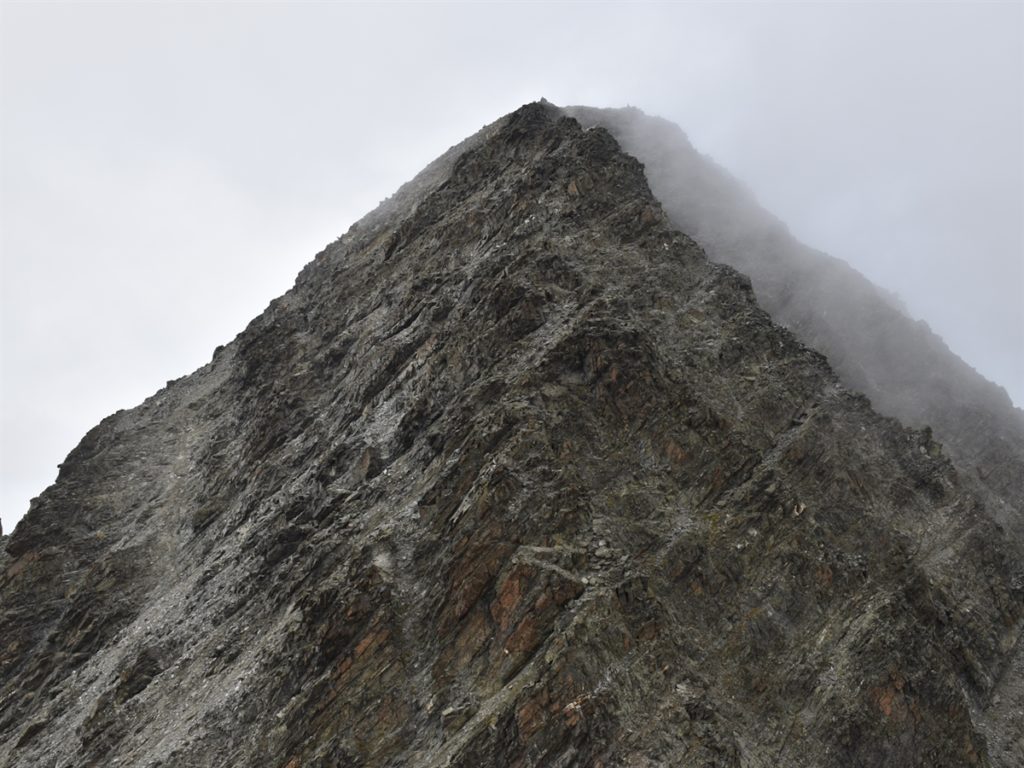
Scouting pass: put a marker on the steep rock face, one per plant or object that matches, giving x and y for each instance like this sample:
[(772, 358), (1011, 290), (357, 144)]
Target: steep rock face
[(906, 370), (513, 475)]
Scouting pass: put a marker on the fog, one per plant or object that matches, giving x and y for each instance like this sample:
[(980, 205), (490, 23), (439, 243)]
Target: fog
[(166, 170)]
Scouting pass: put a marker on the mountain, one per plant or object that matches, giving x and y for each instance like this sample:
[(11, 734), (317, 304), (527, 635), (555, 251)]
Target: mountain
[(513, 475)]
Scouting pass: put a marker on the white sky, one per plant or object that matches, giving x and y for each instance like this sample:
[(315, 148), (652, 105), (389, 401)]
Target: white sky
[(166, 170)]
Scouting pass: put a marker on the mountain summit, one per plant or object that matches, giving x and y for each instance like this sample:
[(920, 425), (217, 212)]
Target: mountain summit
[(513, 475)]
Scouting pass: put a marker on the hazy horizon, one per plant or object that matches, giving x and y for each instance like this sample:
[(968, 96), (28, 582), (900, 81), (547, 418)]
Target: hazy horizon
[(166, 170)]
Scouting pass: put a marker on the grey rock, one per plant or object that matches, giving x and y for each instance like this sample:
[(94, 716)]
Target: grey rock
[(364, 533)]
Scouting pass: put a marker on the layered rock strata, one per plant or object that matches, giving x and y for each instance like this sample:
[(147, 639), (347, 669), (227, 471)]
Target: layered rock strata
[(514, 475)]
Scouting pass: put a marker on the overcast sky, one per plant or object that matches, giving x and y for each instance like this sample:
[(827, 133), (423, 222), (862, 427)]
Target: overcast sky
[(166, 170)]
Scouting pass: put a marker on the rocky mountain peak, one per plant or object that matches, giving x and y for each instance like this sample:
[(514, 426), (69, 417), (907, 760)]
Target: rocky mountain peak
[(513, 475)]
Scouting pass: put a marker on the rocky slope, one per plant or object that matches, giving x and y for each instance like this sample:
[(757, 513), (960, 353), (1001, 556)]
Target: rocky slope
[(514, 475), (906, 370)]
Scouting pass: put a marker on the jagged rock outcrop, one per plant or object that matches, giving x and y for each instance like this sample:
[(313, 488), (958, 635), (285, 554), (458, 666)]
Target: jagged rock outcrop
[(514, 475)]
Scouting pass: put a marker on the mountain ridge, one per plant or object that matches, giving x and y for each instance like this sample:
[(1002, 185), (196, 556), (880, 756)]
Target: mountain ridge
[(513, 475), (906, 369)]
